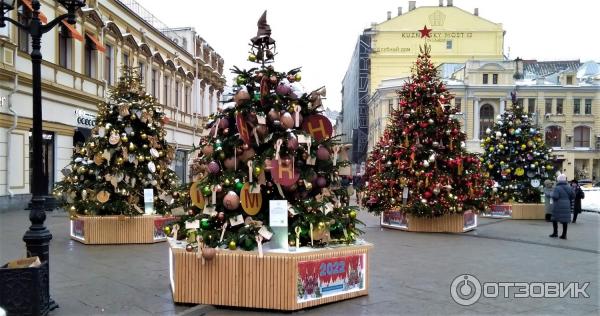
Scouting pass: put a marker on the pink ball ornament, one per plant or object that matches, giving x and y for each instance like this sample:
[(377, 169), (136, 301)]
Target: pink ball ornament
[(292, 143), (287, 121), (230, 163), (273, 115), (323, 153), (231, 201), (224, 123), (213, 167), (283, 89), (321, 182), (207, 150)]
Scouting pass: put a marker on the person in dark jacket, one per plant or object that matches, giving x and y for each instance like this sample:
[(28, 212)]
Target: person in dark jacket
[(579, 195), (561, 211)]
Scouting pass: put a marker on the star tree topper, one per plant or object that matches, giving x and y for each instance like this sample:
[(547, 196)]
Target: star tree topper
[(425, 32)]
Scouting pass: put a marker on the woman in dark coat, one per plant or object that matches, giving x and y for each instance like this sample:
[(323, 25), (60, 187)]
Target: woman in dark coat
[(561, 211), (577, 200)]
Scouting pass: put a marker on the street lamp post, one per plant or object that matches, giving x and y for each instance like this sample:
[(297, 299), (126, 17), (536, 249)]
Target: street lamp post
[(37, 238)]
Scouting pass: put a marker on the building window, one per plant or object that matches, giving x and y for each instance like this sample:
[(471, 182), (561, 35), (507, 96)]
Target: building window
[(485, 78), (576, 106), (495, 78), (108, 64), (553, 136), (64, 49), (186, 98), (155, 86), (520, 102), (559, 106), (166, 89), (142, 71), (588, 106), (24, 17), (486, 118), (548, 106), (582, 136), (458, 105), (390, 106), (89, 57), (449, 44), (569, 79), (181, 164), (125, 59), (531, 105), (177, 96)]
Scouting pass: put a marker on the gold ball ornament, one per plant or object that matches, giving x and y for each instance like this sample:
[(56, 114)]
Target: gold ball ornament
[(132, 147), (167, 230), (82, 170), (124, 138), (352, 214), (119, 160), (298, 77), (232, 245), (252, 57), (143, 136)]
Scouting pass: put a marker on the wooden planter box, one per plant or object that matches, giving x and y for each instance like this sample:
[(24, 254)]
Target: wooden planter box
[(280, 280), (451, 223), (517, 211), (102, 230)]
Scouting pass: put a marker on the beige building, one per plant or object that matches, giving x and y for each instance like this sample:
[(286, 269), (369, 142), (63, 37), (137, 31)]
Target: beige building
[(81, 63), (563, 96)]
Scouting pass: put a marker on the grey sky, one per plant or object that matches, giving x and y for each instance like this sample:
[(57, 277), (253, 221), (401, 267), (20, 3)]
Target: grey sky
[(320, 35)]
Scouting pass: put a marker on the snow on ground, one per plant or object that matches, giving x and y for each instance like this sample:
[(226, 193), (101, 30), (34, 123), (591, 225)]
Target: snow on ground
[(591, 202)]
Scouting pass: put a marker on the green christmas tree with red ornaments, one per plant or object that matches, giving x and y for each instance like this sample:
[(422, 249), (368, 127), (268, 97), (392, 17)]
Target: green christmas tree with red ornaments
[(269, 142), (420, 166)]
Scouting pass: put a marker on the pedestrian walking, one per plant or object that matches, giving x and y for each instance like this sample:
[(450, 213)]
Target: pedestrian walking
[(561, 209), (579, 195), (548, 187)]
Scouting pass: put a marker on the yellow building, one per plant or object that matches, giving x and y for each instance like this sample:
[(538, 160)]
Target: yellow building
[(388, 50), (456, 36), (563, 96)]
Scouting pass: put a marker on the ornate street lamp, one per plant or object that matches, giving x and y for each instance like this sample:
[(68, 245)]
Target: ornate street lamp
[(37, 238)]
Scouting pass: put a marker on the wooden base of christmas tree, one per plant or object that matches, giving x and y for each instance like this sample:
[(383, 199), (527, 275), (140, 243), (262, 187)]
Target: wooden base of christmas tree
[(449, 223), (105, 230), (280, 280), (517, 211)]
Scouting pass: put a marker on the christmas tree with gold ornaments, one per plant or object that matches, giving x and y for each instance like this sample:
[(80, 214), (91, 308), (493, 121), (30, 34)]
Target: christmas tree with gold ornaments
[(126, 153), (268, 142), (420, 165), (516, 156)]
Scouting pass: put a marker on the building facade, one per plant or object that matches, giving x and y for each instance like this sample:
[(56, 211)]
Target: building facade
[(81, 63), (562, 96), (387, 50)]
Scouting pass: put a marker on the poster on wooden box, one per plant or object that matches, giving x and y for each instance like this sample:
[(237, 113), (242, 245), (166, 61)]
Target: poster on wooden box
[(470, 220), (394, 219), (77, 229), (159, 225), (330, 277), (499, 211)]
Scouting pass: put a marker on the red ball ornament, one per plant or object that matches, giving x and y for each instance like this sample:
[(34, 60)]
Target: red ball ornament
[(207, 150), (427, 194), (292, 143), (273, 115), (223, 123), (321, 182), (221, 216)]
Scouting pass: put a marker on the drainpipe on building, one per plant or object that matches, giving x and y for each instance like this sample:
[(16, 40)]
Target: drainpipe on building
[(9, 132)]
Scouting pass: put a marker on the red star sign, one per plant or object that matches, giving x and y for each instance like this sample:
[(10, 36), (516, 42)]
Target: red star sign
[(425, 32)]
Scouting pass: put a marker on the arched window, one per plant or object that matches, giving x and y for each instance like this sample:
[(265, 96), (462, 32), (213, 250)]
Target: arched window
[(553, 136), (486, 118), (582, 136)]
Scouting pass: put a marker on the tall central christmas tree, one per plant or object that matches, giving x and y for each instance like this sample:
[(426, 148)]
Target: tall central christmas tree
[(516, 156), (420, 165), (269, 142)]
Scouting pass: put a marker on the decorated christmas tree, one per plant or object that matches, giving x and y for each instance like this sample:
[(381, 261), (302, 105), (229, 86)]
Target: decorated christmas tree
[(516, 157), (268, 142), (127, 153), (420, 165)]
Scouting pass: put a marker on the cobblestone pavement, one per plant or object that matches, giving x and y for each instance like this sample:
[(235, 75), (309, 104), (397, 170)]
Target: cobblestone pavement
[(411, 273)]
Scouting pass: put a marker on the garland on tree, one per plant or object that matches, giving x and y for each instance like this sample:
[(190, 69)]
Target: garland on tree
[(420, 165), (269, 142), (127, 153), (516, 156)]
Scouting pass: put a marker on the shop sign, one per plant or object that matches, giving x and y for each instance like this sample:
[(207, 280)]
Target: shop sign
[(85, 119)]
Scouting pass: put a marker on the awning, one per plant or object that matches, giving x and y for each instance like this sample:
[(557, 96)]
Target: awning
[(96, 42), (72, 30), (29, 6)]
